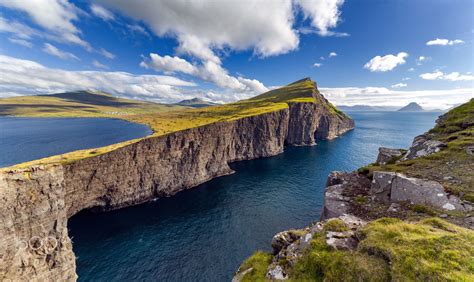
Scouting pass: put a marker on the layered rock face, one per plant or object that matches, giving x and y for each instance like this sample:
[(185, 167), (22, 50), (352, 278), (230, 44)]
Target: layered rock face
[(35, 203)]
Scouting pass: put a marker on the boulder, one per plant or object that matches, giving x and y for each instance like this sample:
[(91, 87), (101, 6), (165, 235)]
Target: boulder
[(423, 146), (419, 191), (381, 186), (335, 204), (387, 154), (341, 240)]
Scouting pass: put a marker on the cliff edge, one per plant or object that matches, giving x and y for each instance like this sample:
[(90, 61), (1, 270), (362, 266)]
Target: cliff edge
[(37, 198), (406, 217)]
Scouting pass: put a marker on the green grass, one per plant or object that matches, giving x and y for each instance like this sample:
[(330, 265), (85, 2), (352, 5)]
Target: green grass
[(389, 250), (259, 263), (429, 250), (162, 119), (456, 129)]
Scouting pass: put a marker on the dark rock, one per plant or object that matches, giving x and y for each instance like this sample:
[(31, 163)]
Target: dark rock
[(387, 154)]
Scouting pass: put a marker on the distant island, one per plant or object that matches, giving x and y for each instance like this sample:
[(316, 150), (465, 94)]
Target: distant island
[(195, 103), (412, 107)]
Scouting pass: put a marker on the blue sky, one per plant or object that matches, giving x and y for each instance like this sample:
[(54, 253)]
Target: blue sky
[(383, 52)]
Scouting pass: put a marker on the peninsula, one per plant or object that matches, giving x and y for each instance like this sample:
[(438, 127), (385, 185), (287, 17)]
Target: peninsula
[(188, 147)]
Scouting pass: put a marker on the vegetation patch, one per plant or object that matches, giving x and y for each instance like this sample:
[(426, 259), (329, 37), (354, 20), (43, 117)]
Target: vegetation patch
[(162, 119), (255, 267), (452, 166)]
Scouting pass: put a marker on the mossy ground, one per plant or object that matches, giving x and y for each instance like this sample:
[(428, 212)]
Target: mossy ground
[(390, 250), (259, 263), (162, 119), (453, 166)]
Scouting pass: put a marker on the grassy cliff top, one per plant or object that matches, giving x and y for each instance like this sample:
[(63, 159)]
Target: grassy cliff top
[(78, 104), (389, 250), (454, 165), (162, 119)]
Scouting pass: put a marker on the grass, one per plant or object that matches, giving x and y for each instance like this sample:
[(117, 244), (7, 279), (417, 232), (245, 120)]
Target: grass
[(259, 263), (456, 129), (429, 250), (162, 119), (390, 250)]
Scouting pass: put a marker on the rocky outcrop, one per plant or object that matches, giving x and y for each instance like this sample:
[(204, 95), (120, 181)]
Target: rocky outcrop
[(422, 146), (387, 155), (390, 187), (36, 202)]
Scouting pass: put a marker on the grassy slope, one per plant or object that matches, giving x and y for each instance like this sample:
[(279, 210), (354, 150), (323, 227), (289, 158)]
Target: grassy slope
[(389, 250), (78, 104), (456, 128), (162, 119)]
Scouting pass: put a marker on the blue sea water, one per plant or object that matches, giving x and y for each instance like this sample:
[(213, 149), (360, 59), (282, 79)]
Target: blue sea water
[(205, 233), (26, 139)]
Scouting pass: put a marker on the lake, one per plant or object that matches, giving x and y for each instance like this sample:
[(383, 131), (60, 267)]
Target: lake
[(205, 233), (26, 139)]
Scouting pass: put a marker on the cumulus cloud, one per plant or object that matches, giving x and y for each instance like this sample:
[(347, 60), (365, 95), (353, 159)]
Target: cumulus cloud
[(454, 76), (324, 14), (208, 70), (263, 26), (380, 96), (55, 16), (332, 54), (52, 50), (386, 63), (101, 12), (21, 42), (168, 64), (444, 42), (317, 65), (25, 77), (399, 85)]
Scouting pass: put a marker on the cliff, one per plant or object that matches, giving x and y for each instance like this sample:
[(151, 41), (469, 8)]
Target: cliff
[(406, 217), (36, 201)]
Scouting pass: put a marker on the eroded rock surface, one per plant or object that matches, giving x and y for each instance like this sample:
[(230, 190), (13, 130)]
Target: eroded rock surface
[(36, 202)]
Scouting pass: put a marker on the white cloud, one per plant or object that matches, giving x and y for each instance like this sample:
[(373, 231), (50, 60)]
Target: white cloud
[(99, 65), (386, 63), (444, 42), (21, 42), (169, 64), (454, 76), (380, 96), (106, 54), (332, 54), (422, 59), (209, 71), (25, 77), (52, 50), (263, 26), (399, 85), (411, 69), (56, 16), (324, 14), (317, 65), (406, 78), (101, 12), (138, 29)]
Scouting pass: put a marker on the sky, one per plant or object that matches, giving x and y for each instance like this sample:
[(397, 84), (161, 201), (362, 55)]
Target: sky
[(370, 52)]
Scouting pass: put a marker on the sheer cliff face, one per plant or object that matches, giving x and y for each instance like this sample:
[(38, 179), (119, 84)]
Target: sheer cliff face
[(35, 203)]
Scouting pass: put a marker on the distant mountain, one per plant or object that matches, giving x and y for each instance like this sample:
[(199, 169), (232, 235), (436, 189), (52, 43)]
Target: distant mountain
[(412, 107), (195, 103), (366, 108)]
